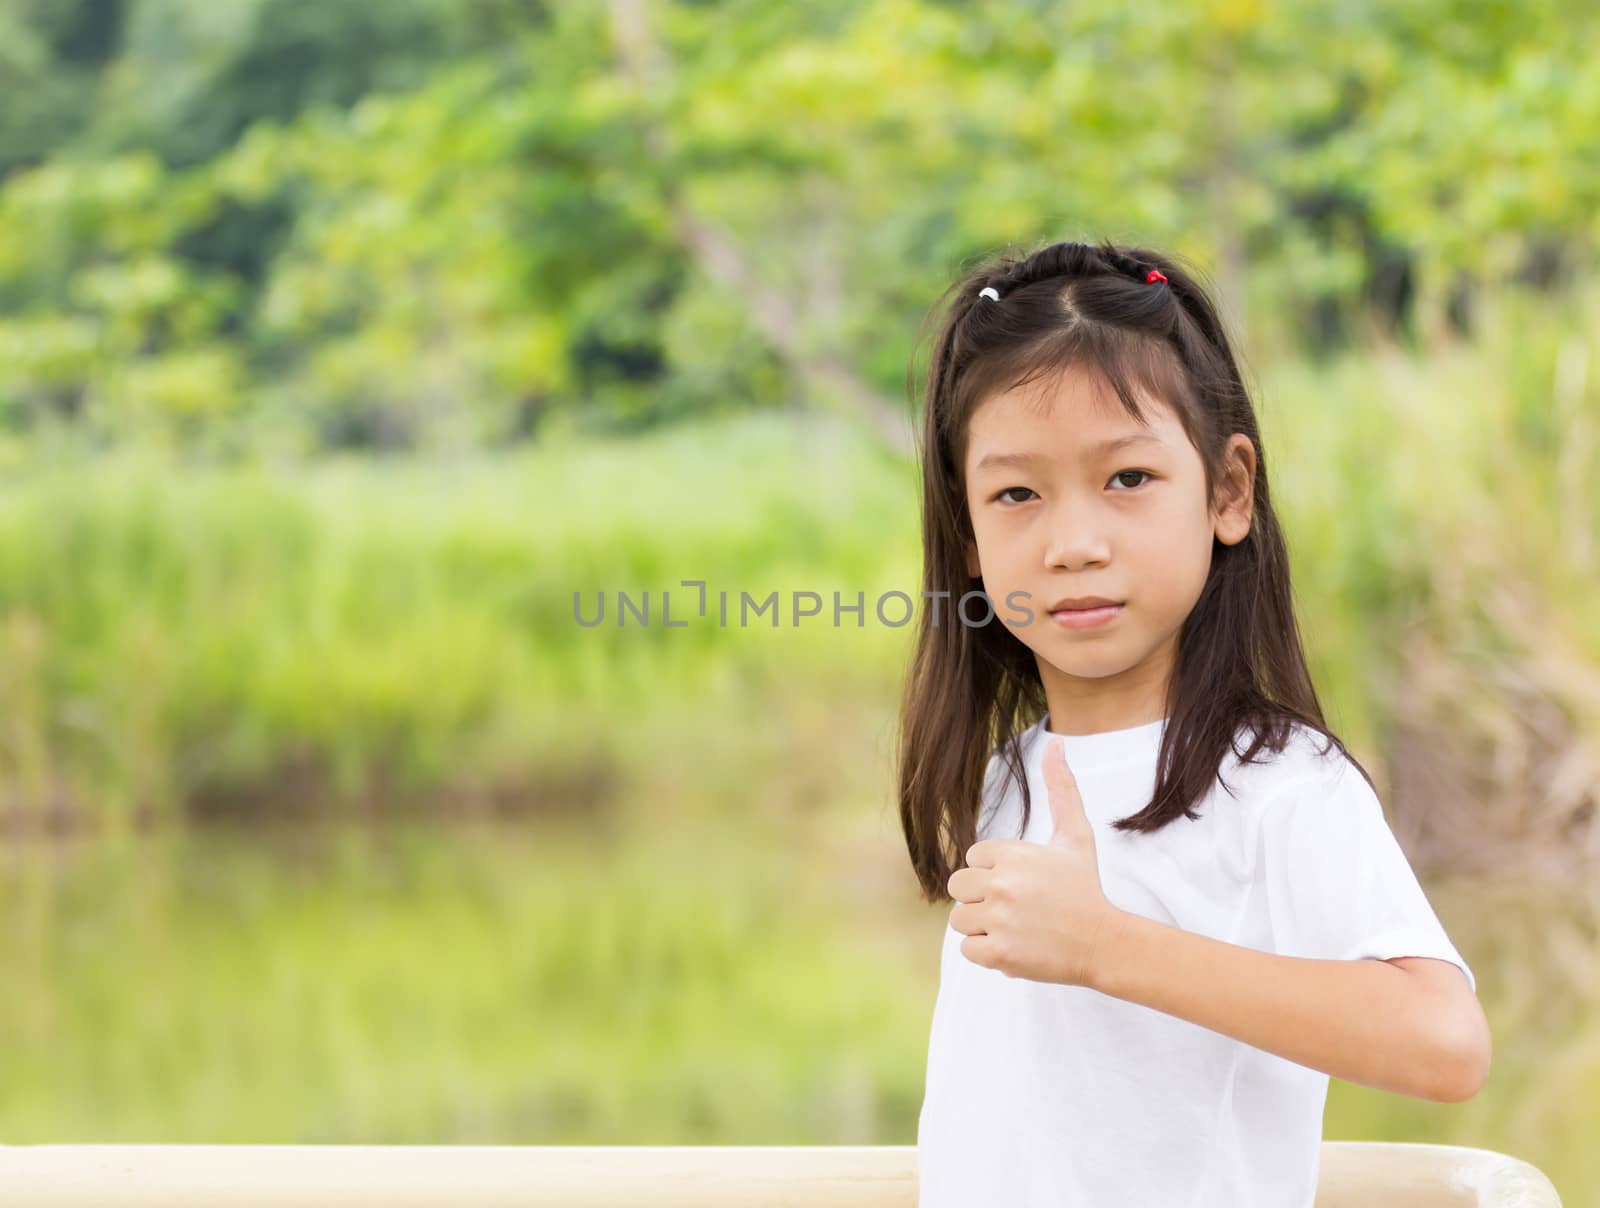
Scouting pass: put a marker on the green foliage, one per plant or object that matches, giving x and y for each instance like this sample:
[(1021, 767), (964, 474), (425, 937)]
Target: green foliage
[(290, 224)]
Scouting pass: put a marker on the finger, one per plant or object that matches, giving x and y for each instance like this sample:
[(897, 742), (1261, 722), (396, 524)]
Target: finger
[(966, 919), (980, 950), (1066, 804), (958, 881), (981, 854)]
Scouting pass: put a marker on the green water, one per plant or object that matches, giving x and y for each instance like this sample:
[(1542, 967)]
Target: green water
[(526, 983), (500, 983)]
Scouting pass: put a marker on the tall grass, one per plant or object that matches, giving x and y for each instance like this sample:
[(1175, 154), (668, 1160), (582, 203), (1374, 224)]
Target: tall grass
[(373, 632)]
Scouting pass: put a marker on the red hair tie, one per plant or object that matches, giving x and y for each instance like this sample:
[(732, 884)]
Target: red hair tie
[(1153, 276)]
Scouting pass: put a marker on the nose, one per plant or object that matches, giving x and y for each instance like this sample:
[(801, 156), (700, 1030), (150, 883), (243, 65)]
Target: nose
[(1077, 538)]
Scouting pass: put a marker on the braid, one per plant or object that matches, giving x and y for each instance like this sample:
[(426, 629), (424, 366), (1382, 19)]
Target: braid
[(1068, 258), (1126, 264)]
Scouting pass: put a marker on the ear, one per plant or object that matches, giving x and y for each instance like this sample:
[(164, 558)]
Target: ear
[(1236, 490)]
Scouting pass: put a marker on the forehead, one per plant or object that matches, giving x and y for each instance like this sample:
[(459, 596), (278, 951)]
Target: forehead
[(1070, 415)]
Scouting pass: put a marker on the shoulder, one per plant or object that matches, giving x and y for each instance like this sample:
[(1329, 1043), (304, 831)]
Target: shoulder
[(1319, 802), (1309, 766)]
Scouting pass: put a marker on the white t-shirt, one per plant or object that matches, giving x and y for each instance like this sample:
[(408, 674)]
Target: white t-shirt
[(1040, 1095)]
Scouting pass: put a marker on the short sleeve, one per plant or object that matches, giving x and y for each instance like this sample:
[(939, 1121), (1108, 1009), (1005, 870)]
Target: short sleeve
[(1338, 885)]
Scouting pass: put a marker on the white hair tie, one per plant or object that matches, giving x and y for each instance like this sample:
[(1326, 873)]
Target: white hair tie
[(988, 292)]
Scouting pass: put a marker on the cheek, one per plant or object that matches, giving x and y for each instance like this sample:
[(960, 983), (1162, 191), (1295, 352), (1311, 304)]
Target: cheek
[(989, 534), (1172, 549), (1001, 547), (1181, 559)]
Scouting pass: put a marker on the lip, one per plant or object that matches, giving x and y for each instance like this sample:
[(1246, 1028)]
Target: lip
[(1083, 618), (1084, 602)]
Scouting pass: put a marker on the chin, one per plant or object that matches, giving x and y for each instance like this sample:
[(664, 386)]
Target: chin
[(1086, 665)]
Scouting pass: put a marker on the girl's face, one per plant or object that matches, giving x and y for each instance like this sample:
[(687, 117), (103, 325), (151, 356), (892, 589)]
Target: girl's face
[(1058, 511)]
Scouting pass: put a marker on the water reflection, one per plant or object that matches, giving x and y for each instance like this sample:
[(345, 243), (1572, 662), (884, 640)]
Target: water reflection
[(419, 982)]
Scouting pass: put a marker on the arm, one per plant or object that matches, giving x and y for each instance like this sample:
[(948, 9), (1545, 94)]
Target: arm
[(1410, 1025)]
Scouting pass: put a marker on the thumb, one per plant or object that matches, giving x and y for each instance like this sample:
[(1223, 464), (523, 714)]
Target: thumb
[(1066, 804)]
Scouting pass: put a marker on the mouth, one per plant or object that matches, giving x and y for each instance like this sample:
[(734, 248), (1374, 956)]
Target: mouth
[(1078, 603), (1083, 617)]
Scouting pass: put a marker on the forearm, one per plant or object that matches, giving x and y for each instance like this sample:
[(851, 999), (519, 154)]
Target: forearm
[(1365, 1021)]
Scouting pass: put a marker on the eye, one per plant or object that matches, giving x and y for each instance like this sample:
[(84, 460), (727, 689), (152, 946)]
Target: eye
[(1120, 473), (1008, 491), (1002, 495)]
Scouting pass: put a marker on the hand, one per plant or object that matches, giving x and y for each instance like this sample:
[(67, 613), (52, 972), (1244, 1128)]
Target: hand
[(1036, 910)]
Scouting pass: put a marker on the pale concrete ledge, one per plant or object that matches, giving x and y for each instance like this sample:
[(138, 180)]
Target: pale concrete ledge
[(1354, 1174)]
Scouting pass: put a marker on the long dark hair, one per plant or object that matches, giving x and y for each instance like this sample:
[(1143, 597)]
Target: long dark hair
[(972, 689)]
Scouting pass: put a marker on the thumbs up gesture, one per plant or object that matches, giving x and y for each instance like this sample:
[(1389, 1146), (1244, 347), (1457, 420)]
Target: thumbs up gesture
[(1036, 910)]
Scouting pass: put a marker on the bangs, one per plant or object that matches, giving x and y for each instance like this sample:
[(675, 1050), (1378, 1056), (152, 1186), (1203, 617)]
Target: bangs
[(1123, 365)]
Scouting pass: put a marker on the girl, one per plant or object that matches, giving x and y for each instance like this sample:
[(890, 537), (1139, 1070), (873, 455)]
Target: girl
[(1143, 989)]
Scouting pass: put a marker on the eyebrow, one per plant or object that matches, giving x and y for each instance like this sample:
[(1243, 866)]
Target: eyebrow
[(1027, 459)]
